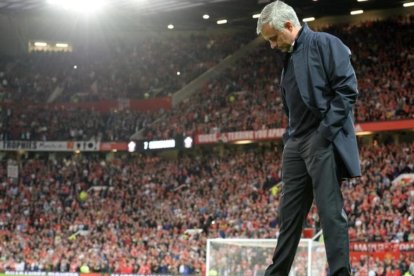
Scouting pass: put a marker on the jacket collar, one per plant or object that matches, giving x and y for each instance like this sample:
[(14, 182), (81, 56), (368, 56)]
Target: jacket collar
[(303, 33)]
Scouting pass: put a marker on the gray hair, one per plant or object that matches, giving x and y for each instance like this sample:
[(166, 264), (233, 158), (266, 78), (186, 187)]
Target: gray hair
[(276, 14)]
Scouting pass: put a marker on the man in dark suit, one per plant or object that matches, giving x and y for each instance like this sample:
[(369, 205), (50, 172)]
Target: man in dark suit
[(319, 88)]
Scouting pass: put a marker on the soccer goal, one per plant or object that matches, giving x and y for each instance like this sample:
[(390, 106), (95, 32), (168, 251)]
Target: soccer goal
[(233, 257)]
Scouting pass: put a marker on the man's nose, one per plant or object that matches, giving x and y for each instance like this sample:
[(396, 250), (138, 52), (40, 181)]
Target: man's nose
[(273, 44)]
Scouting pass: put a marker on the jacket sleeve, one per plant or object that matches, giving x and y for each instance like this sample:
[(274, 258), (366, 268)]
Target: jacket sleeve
[(340, 74)]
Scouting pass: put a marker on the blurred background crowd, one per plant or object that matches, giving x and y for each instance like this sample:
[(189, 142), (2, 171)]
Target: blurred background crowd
[(245, 97), (149, 214), (135, 213)]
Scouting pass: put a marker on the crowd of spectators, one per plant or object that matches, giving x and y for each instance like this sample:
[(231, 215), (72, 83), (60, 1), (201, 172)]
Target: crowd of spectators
[(151, 67), (385, 75), (246, 96), (51, 124), (138, 214), (31, 78)]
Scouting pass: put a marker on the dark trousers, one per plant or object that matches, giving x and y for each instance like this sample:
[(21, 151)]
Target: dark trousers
[(309, 171)]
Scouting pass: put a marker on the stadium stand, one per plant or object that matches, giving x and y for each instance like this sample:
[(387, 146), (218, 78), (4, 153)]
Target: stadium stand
[(137, 210), (244, 98), (134, 214), (116, 70)]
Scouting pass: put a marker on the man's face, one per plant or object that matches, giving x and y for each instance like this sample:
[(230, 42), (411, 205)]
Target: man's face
[(281, 40)]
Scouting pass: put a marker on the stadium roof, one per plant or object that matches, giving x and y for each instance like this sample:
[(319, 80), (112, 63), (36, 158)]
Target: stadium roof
[(190, 12)]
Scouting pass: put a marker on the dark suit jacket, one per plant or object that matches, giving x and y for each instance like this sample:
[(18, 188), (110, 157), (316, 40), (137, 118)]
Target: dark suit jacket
[(328, 86)]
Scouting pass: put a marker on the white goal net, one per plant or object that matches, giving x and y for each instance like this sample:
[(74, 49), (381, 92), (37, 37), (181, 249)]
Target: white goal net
[(234, 257)]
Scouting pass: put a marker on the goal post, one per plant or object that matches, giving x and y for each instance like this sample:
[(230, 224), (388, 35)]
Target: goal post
[(239, 256)]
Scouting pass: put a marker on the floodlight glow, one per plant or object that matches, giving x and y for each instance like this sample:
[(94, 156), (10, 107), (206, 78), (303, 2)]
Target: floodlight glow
[(357, 12), (132, 146), (362, 0), (223, 21), (257, 15), (206, 16), (80, 5), (178, 73), (40, 44), (171, 26), (409, 4), (243, 142), (188, 142), (364, 133), (62, 45), (308, 19)]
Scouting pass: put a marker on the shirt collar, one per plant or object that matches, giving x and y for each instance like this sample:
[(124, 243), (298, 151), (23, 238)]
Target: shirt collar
[(292, 47)]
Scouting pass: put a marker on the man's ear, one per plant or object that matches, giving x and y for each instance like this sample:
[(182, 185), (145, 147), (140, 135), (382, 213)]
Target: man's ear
[(288, 25)]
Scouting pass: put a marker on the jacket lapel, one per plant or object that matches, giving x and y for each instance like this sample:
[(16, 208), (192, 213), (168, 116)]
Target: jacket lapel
[(302, 72)]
